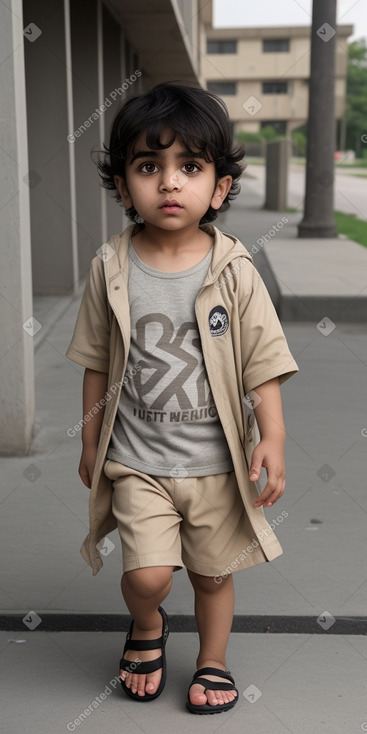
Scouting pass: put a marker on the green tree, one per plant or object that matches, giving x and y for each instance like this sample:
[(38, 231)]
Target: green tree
[(356, 98), (299, 140), (268, 132)]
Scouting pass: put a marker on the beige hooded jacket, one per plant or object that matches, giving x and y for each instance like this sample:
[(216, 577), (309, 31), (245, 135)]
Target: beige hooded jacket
[(243, 346)]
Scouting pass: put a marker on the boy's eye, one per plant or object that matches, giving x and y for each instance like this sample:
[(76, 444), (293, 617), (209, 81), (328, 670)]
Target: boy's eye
[(149, 168), (190, 168)]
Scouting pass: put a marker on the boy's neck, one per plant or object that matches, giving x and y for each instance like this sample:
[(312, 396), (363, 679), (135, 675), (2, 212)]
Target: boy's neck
[(169, 242)]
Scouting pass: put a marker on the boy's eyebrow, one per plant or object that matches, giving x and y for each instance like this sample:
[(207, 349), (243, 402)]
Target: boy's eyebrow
[(143, 154), (155, 154)]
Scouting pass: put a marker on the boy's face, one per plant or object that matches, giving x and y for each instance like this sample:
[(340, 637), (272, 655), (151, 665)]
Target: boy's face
[(170, 188)]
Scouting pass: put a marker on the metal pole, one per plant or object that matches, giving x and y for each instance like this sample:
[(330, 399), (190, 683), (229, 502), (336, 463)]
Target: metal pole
[(318, 219)]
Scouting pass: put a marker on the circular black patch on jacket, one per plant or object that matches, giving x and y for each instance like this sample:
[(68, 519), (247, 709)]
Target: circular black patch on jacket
[(218, 321)]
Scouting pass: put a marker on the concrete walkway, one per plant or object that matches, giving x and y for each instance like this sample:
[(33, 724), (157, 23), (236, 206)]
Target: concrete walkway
[(308, 279), (308, 682), (301, 684)]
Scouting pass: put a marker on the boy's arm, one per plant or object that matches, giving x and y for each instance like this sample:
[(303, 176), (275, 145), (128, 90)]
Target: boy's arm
[(269, 452), (94, 388)]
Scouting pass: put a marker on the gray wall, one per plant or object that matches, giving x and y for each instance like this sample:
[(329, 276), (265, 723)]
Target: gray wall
[(47, 136), (65, 240)]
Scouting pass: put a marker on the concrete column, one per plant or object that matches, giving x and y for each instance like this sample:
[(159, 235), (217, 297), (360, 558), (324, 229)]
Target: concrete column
[(318, 220), (17, 324), (276, 187), (53, 254), (102, 120), (125, 221), (71, 149), (87, 117), (112, 81)]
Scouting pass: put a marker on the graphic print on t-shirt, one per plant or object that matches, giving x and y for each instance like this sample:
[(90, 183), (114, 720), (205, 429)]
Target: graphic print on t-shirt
[(171, 379)]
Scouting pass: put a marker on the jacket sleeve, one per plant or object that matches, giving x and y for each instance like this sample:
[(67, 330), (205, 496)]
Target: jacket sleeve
[(264, 348), (90, 344)]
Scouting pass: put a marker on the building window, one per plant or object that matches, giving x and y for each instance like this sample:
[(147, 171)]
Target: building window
[(221, 47), (275, 87), (275, 45), (279, 125), (223, 88)]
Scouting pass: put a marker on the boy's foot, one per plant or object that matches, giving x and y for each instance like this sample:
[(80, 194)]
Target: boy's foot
[(143, 683), (213, 698)]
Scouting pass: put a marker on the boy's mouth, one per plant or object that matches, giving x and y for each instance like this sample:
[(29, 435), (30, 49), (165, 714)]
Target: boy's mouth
[(170, 205)]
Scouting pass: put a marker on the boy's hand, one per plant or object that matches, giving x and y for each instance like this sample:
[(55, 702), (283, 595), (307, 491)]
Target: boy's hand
[(270, 454), (86, 465)]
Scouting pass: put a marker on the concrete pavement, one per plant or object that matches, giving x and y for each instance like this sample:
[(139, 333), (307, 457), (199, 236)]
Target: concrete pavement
[(308, 683), (308, 279), (301, 684)]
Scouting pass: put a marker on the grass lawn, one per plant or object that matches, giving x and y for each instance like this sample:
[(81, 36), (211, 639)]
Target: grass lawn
[(355, 229), (358, 163), (348, 224)]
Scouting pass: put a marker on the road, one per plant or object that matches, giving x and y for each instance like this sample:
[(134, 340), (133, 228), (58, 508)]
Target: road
[(350, 191)]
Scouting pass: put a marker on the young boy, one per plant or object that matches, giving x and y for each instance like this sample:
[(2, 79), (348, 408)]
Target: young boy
[(184, 355)]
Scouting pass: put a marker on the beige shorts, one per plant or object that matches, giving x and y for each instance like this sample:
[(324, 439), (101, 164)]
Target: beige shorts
[(196, 522)]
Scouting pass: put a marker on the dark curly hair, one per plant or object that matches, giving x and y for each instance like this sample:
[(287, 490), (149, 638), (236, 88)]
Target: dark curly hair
[(198, 118)]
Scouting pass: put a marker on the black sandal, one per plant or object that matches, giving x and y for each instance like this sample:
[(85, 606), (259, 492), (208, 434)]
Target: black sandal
[(149, 666), (206, 708)]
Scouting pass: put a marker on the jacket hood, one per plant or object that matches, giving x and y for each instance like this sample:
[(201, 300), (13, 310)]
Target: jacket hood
[(225, 249)]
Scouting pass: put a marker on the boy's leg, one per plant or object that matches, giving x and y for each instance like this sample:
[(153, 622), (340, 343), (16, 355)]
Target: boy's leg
[(144, 590), (214, 607)]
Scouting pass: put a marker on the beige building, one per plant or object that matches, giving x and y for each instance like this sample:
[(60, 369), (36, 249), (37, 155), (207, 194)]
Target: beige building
[(263, 73)]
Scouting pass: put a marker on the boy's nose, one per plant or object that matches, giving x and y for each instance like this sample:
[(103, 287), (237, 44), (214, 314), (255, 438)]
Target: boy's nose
[(172, 180)]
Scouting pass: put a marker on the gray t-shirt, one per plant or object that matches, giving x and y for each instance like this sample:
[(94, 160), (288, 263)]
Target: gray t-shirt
[(167, 423)]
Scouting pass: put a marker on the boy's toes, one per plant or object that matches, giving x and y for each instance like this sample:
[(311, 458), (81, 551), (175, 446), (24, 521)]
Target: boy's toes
[(152, 682), (197, 695), (228, 696), (141, 684), (126, 677), (214, 698), (138, 684), (211, 697)]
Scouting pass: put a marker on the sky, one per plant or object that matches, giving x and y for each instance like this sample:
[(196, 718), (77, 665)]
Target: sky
[(232, 13)]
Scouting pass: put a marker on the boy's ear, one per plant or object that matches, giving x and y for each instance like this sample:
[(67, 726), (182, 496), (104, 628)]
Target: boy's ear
[(221, 190), (123, 191)]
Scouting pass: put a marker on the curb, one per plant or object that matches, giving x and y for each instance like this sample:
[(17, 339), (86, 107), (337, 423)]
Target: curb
[(247, 624)]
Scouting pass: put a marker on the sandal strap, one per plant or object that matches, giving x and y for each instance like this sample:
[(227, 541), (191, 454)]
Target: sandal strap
[(215, 671), (143, 644), (147, 667), (214, 685)]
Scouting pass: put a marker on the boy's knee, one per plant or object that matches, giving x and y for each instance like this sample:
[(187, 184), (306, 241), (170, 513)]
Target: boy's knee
[(148, 581), (208, 584)]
